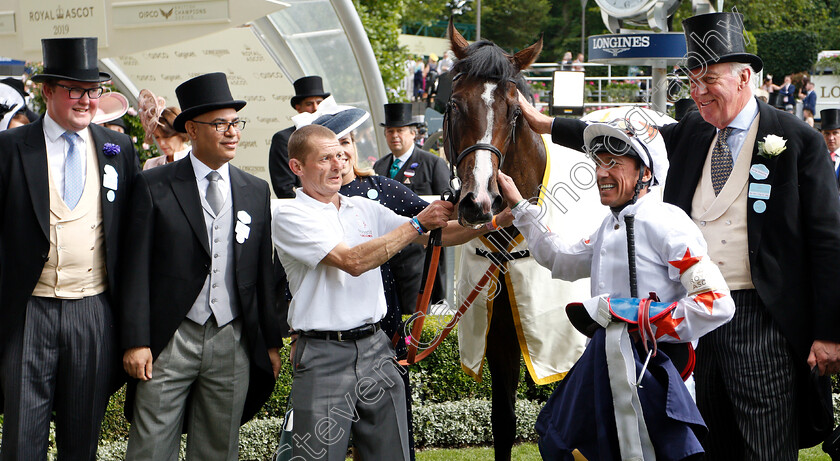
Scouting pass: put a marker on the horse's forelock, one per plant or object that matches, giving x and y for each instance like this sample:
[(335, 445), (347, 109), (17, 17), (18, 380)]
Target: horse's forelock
[(487, 61)]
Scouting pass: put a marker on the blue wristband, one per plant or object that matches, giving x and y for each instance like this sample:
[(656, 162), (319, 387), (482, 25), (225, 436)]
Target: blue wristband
[(417, 226)]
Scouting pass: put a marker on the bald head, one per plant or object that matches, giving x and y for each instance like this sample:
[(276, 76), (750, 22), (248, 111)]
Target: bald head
[(303, 141)]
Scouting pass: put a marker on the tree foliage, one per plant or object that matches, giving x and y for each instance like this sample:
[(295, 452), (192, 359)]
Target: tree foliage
[(381, 20)]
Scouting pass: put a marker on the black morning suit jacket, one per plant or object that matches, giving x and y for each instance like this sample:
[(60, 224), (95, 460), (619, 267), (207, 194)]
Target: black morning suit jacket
[(794, 246), (431, 177), (168, 251), (25, 214), (283, 181)]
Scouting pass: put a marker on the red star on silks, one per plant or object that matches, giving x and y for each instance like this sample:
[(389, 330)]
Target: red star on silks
[(708, 298), (686, 261), (667, 326)]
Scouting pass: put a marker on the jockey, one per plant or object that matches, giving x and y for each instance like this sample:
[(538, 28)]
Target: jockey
[(624, 398)]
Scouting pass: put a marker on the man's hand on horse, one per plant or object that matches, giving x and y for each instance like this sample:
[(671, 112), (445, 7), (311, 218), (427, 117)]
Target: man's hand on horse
[(538, 121), (509, 190), (435, 215), (826, 356)]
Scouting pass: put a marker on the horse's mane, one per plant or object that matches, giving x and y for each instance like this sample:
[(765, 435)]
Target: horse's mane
[(487, 61)]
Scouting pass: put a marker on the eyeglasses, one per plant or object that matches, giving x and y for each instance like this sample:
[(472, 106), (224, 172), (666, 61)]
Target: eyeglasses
[(221, 127), (78, 93)]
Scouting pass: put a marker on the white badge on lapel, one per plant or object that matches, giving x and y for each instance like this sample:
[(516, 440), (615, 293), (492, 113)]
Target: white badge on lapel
[(242, 230), (110, 181)]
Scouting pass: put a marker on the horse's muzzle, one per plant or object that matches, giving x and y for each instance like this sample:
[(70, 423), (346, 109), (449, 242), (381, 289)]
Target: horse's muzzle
[(474, 214)]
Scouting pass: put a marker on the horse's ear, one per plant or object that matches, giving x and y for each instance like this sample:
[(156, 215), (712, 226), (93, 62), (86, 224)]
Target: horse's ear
[(526, 57), (459, 43)]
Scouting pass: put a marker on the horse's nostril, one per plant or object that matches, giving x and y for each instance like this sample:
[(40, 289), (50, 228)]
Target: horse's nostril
[(498, 204)]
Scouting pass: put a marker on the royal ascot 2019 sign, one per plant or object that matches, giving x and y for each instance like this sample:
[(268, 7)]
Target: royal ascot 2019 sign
[(652, 46), (61, 18), (135, 14)]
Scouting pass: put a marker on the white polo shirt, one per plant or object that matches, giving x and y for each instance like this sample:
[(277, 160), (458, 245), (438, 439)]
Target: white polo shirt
[(326, 298)]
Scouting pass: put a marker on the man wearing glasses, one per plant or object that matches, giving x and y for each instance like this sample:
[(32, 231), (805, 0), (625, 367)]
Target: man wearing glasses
[(64, 185), (199, 327)]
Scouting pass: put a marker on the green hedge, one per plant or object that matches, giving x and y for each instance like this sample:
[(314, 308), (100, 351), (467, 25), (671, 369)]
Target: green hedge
[(787, 51)]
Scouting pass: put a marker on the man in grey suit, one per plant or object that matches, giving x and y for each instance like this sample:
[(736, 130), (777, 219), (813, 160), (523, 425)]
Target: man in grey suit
[(64, 186), (199, 324)]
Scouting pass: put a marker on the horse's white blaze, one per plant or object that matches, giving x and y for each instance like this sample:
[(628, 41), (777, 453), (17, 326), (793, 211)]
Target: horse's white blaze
[(483, 168)]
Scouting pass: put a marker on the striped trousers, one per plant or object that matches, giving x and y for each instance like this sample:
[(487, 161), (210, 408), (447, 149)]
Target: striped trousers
[(746, 387), (63, 360)]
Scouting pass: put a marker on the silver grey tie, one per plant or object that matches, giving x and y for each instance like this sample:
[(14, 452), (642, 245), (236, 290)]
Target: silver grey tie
[(214, 194)]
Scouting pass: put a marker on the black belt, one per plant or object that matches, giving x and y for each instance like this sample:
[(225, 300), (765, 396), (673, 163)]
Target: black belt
[(347, 335)]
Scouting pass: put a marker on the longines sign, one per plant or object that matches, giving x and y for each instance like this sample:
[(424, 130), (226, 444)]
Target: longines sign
[(637, 46), (61, 18), (137, 14)]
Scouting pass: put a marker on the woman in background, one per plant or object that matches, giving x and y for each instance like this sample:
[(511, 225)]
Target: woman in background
[(157, 122)]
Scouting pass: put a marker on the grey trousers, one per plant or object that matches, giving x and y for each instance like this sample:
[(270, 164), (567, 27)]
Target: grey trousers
[(63, 360), (209, 365), (746, 386), (344, 387)]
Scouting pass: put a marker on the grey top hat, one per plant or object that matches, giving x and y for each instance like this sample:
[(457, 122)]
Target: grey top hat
[(716, 38), (829, 119), (398, 114), (203, 94), (70, 59), (307, 87)]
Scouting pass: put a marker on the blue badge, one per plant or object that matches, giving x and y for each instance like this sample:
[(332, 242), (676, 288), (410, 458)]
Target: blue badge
[(373, 194), (759, 206), (759, 171), (759, 191), (414, 165)]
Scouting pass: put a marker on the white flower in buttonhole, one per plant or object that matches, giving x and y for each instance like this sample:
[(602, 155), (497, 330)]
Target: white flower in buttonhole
[(771, 146)]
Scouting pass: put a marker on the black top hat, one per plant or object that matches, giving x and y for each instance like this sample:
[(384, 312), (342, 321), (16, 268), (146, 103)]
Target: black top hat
[(829, 119), (307, 87), (203, 94), (17, 84), (398, 114), (715, 38), (683, 107), (776, 100), (70, 59)]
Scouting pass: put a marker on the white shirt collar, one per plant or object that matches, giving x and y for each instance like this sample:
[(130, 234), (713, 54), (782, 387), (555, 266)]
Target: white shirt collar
[(404, 157), (53, 131), (309, 201), (201, 170)]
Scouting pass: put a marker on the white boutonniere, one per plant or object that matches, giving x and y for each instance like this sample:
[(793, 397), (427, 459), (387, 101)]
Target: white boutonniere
[(771, 146), (242, 229)]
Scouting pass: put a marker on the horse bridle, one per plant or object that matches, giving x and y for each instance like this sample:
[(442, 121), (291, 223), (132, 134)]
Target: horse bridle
[(454, 182)]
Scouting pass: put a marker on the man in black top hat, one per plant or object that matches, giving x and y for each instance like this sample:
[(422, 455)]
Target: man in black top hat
[(309, 92), (830, 127), (757, 182), (64, 185), (425, 174), (199, 326)]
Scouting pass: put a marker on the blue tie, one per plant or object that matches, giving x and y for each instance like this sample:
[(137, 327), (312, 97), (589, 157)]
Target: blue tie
[(395, 168), (74, 181)]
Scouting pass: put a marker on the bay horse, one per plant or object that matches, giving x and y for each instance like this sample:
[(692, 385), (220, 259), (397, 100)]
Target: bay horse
[(484, 132)]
